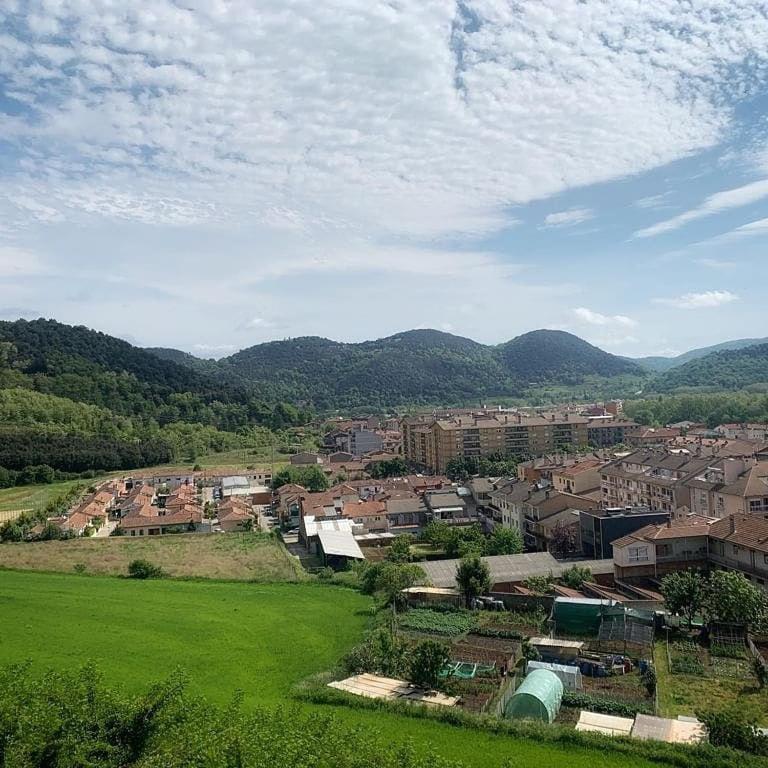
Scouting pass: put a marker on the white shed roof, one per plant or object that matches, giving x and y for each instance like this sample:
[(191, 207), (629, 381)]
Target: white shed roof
[(340, 543), (607, 724), (313, 526)]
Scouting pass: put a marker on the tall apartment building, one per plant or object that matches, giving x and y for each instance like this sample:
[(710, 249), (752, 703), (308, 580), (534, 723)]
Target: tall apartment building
[(432, 442)]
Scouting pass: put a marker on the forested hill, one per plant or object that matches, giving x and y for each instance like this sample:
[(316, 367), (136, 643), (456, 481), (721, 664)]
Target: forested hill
[(662, 364), (729, 370), (419, 367)]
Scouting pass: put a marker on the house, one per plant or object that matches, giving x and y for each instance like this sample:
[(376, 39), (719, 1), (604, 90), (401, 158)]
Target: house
[(506, 503), (305, 458), (406, 514), (287, 501), (338, 549), (543, 504), (370, 515), (654, 436), (341, 457), (740, 543), (656, 550), (447, 506), (362, 441), (481, 488), (234, 514), (235, 485), (310, 528), (580, 477), (600, 527), (153, 521)]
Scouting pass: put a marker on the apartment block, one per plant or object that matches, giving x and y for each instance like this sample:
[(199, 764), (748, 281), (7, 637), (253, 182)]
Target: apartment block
[(433, 443)]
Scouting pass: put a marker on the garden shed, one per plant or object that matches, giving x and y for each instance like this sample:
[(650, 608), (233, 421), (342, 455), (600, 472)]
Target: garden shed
[(538, 698), (569, 676)]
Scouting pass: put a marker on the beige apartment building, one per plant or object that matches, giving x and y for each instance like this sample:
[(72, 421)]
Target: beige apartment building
[(432, 442)]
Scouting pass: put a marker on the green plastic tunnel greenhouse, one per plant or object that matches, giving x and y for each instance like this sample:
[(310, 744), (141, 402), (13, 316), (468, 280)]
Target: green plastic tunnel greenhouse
[(538, 698)]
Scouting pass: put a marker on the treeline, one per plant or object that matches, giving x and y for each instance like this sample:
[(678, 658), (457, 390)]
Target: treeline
[(709, 409)]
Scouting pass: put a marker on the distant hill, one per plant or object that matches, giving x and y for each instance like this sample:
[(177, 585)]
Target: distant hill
[(732, 369), (206, 366), (661, 364), (419, 366)]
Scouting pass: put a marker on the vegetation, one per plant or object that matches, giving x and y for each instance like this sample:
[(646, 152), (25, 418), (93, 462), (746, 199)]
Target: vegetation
[(684, 593), (417, 367), (709, 409), (236, 556), (734, 369), (604, 705), (427, 661), (310, 477), (438, 622), (461, 468), (400, 549), (389, 468), (143, 569), (473, 577), (457, 541), (387, 580), (732, 728)]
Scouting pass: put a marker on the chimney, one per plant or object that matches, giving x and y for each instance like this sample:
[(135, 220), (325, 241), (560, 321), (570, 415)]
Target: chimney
[(733, 523)]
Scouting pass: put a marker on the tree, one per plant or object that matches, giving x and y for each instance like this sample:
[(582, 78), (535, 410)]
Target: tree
[(311, 477), (684, 593), (504, 541), (400, 549), (575, 576), (473, 577), (428, 660), (389, 580), (730, 597), (539, 585), (563, 540)]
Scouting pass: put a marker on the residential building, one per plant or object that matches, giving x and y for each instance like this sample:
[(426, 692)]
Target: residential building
[(655, 550), (362, 441), (740, 543), (434, 443), (371, 516), (234, 514), (580, 477), (654, 436), (153, 521), (652, 478), (506, 503), (758, 432), (305, 458), (447, 506), (600, 527), (545, 510)]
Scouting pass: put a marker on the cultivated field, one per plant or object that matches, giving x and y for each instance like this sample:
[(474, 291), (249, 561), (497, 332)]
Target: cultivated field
[(259, 638), (241, 556), (32, 497)]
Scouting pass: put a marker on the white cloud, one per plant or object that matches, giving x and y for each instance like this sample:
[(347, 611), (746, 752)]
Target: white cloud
[(256, 323), (596, 318), (705, 300), (654, 201), (720, 201), (568, 218)]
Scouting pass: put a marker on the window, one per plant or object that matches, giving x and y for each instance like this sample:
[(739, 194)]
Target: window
[(638, 554), (735, 550)]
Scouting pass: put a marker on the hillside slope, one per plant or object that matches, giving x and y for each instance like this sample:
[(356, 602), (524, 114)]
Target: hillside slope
[(662, 364), (729, 370), (420, 366)]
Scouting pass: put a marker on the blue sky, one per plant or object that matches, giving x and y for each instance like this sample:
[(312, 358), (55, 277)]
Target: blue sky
[(213, 174)]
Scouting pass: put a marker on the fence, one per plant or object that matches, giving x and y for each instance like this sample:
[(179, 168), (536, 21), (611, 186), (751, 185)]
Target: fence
[(755, 651), (497, 705)]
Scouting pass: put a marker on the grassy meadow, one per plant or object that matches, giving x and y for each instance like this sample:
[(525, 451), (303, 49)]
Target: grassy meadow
[(34, 497), (239, 556), (258, 638)]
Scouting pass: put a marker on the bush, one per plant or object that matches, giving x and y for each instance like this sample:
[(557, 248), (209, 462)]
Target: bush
[(438, 622), (143, 569), (428, 659), (604, 705), (730, 728)]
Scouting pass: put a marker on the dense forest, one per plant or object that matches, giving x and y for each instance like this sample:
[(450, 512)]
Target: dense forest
[(421, 367), (709, 409), (75, 400)]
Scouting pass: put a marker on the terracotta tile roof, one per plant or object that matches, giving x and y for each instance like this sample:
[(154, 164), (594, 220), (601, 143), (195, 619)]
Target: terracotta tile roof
[(235, 513), (676, 529), (355, 509), (182, 516), (748, 531)]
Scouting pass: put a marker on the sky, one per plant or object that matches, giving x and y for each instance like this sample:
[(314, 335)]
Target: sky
[(212, 174)]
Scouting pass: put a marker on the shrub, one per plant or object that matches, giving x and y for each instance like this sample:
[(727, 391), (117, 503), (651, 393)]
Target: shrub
[(440, 623), (727, 650), (730, 728), (79, 568), (428, 659), (143, 569)]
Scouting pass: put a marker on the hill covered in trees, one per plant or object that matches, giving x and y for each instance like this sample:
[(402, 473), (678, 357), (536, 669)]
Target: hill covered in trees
[(729, 370), (419, 367), (662, 364)]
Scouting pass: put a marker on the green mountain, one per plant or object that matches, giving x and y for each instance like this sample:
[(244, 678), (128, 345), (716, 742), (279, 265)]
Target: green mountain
[(732, 369), (661, 364), (419, 366)]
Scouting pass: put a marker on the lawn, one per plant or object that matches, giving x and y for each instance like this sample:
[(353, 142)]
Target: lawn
[(254, 637), (241, 556), (732, 681), (32, 497)]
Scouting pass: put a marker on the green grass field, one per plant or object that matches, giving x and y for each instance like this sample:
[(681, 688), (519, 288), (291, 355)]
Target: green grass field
[(34, 496), (260, 639)]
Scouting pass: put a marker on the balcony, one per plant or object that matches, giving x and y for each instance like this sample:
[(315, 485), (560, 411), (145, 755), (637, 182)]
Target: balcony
[(760, 570)]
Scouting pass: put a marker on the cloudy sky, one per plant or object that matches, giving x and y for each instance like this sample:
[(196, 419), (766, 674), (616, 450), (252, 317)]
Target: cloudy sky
[(209, 174)]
